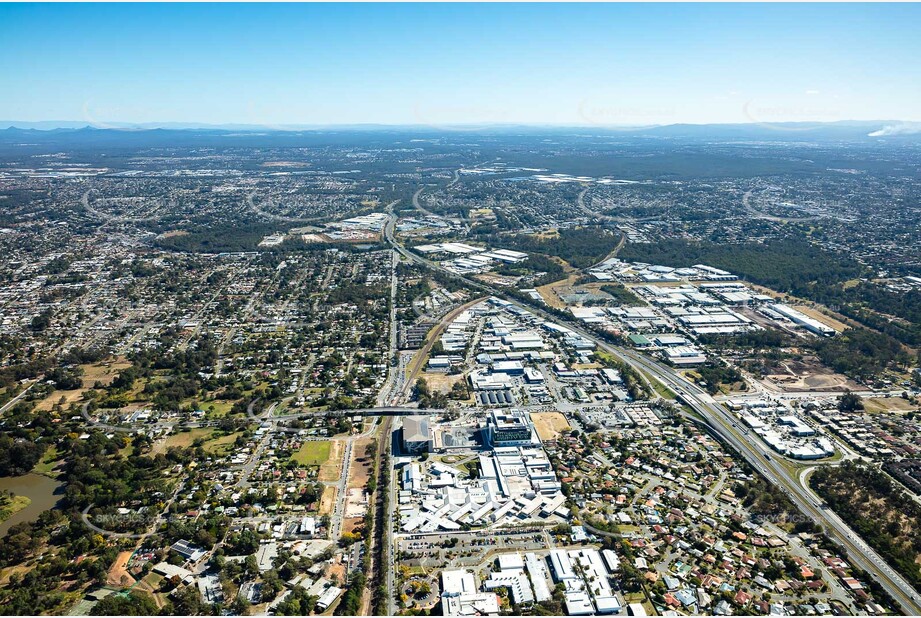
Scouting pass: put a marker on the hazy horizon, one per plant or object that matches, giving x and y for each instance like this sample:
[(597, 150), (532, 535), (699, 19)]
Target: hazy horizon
[(276, 66), (48, 125)]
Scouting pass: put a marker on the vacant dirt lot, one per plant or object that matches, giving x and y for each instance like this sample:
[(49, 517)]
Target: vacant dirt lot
[(549, 425), (184, 439), (118, 574), (336, 569), (97, 372), (809, 374), (332, 469), (351, 524), (441, 382), (327, 500), (888, 404), (103, 372), (360, 466), (550, 291)]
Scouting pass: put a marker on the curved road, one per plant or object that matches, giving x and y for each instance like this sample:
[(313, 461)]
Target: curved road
[(757, 214)]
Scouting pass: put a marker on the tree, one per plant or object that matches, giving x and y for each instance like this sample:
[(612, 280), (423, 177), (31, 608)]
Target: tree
[(271, 585), (41, 321), (189, 602), (459, 390), (240, 606), (849, 402), (422, 388), (348, 538), (131, 604), (18, 456)]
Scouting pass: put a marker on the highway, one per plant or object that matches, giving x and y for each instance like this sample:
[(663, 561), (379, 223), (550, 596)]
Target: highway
[(859, 553), (724, 424), (418, 206)]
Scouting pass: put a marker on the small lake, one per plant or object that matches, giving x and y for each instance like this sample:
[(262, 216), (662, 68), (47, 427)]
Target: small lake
[(43, 491)]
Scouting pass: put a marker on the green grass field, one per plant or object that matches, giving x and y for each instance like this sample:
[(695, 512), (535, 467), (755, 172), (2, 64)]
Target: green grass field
[(184, 439), (13, 505), (221, 408), (47, 463), (313, 453), (221, 445)]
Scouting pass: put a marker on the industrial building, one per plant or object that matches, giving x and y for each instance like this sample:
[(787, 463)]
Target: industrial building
[(801, 319), (781, 429)]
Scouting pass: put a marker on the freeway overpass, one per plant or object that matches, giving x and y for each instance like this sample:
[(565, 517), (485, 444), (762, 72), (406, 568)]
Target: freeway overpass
[(383, 411)]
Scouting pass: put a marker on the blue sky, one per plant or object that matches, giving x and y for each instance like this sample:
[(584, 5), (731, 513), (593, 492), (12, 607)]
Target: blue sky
[(439, 64)]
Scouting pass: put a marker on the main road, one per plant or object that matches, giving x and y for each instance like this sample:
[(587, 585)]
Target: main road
[(859, 553)]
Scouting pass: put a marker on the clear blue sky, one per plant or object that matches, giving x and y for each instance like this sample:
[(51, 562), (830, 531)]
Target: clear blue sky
[(443, 64)]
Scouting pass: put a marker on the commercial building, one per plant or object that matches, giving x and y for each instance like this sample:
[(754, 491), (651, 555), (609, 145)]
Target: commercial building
[(685, 356), (188, 551), (512, 428), (416, 434), (588, 590), (537, 569), (511, 575), (459, 596), (328, 597)]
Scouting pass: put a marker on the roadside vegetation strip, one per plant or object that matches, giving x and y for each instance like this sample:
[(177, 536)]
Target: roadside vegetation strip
[(379, 534), (358, 599), (600, 532), (877, 509), (663, 391)]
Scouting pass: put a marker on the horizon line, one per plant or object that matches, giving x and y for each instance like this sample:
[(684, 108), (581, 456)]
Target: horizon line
[(50, 125)]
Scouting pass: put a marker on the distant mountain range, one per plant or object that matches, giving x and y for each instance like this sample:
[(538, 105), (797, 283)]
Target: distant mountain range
[(70, 131)]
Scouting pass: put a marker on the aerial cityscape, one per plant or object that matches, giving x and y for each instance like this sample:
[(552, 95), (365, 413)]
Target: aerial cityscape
[(514, 353)]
